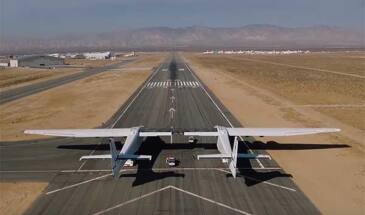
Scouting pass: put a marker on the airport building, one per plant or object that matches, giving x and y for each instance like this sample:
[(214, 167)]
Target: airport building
[(96, 55), (9, 62), (41, 61)]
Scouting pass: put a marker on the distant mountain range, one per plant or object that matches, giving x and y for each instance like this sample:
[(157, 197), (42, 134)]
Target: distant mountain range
[(193, 38)]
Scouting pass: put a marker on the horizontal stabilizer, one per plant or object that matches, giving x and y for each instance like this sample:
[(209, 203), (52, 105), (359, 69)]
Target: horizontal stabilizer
[(136, 157), (108, 156), (120, 157), (212, 156), (254, 156)]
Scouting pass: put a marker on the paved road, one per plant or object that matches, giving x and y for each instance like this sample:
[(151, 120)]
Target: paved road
[(20, 92), (193, 187)]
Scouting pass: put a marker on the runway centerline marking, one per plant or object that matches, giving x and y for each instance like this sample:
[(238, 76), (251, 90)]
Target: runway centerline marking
[(177, 189), (220, 110)]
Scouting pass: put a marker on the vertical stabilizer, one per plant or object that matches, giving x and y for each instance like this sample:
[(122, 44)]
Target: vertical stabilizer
[(113, 151), (233, 163)]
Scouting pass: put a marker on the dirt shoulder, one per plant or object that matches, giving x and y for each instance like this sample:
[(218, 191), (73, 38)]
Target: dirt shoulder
[(333, 178), (15, 198), (84, 103), (17, 77), (92, 63)]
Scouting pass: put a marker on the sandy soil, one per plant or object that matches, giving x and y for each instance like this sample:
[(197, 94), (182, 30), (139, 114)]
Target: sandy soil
[(333, 178), (17, 77), (299, 85), (85, 103), (15, 198), (352, 63)]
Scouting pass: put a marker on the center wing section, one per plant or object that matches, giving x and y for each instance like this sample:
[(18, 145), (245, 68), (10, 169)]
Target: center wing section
[(154, 134), (201, 133), (102, 132)]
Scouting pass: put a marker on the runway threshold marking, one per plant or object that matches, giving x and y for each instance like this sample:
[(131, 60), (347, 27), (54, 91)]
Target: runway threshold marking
[(157, 169), (169, 169), (133, 169), (177, 189), (220, 110), (265, 182)]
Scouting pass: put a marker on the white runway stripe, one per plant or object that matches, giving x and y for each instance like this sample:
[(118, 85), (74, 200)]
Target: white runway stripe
[(78, 184), (107, 210), (177, 83)]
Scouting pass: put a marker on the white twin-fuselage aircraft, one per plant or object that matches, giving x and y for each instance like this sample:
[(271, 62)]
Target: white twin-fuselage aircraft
[(134, 139)]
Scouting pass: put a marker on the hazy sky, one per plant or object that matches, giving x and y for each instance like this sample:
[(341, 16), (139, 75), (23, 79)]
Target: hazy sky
[(52, 17)]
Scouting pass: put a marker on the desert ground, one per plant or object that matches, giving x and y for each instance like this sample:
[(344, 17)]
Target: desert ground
[(15, 198), (311, 90), (85, 103), (21, 76)]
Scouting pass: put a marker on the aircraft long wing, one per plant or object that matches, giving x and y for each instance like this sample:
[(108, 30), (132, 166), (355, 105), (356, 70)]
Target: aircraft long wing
[(102, 132), (272, 132), (115, 132), (277, 132)]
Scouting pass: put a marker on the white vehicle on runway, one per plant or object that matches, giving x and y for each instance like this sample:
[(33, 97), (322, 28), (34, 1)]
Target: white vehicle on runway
[(129, 163), (134, 135), (171, 161), (191, 139)]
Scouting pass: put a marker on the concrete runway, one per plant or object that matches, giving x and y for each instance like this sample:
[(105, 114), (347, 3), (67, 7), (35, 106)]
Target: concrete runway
[(20, 92), (193, 187)]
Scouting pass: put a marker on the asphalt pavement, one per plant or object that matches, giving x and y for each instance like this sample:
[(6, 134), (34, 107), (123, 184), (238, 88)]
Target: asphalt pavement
[(172, 98)]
